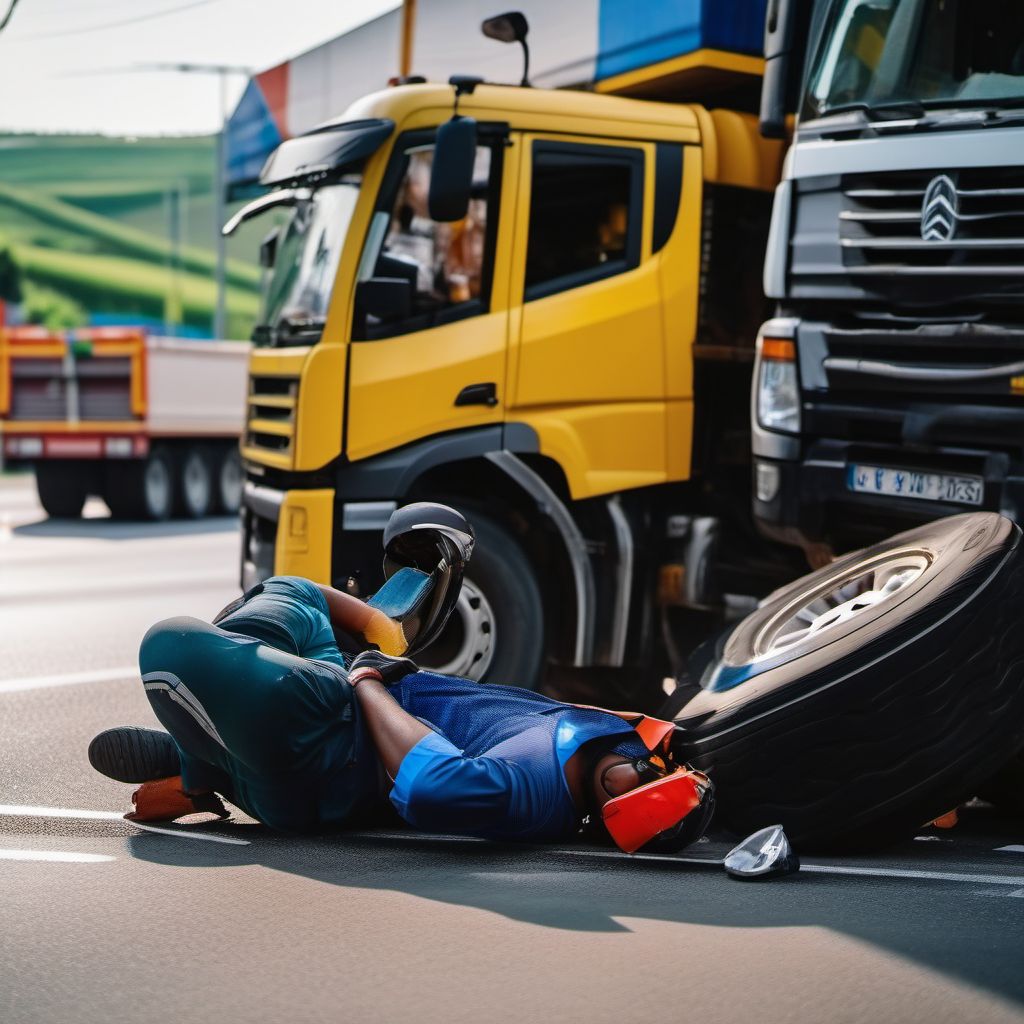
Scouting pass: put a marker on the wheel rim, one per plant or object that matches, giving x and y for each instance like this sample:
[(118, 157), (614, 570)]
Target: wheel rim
[(837, 602), (195, 480), (158, 487), (466, 647), (231, 483)]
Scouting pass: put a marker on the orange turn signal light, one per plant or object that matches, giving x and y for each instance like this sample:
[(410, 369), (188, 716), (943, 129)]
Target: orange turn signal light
[(778, 348)]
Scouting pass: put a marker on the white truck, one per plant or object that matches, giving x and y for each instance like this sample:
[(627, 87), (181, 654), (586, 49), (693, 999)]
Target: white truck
[(149, 424)]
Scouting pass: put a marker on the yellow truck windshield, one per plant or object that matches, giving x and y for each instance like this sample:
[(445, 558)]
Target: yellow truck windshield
[(297, 289)]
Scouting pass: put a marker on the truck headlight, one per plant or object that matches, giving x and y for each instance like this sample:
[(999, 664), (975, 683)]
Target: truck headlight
[(778, 391)]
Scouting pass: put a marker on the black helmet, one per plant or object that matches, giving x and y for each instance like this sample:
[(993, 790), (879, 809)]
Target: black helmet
[(437, 540)]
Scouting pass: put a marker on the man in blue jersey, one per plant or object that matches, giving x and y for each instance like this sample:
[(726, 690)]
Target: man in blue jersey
[(264, 709)]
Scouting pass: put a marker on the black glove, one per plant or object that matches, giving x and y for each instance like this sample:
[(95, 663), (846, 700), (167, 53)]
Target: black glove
[(375, 665)]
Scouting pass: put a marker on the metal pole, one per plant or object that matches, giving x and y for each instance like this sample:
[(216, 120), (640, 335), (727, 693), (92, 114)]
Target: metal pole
[(408, 30), (220, 179)]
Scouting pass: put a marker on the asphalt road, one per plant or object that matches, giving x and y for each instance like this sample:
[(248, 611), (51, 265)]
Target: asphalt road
[(102, 922)]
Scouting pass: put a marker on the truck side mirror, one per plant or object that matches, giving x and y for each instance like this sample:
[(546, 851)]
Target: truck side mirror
[(451, 178), (268, 248), (386, 298), (784, 40)]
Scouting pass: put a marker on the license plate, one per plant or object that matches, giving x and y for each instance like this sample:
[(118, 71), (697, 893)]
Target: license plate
[(908, 483)]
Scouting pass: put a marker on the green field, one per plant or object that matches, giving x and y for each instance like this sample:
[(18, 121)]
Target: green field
[(121, 226)]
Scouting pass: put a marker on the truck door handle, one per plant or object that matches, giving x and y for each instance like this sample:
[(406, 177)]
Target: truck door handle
[(478, 394)]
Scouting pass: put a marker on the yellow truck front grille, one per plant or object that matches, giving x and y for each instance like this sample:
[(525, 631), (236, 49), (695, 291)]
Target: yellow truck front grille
[(270, 419)]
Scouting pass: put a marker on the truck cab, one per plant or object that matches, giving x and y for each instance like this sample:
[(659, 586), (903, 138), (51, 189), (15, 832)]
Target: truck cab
[(567, 361), (889, 386)]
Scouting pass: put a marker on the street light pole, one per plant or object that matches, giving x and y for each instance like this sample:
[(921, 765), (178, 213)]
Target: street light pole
[(222, 71)]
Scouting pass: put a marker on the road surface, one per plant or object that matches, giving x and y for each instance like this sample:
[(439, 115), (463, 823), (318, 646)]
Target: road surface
[(102, 922)]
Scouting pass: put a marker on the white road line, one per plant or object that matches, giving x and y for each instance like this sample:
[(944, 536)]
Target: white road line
[(28, 811), (63, 856), (1009, 849), (31, 811), (95, 675), (928, 876), (181, 834), (157, 581)]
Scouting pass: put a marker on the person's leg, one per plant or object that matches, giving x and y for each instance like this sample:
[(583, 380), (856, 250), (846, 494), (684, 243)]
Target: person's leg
[(260, 726)]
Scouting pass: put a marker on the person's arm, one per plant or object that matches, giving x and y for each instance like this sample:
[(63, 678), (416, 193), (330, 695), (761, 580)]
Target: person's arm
[(355, 616), (393, 730)]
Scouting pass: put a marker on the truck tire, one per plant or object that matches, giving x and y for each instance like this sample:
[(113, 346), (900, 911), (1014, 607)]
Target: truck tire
[(496, 633), (228, 480), (195, 483), (142, 488), (63, 487), (866, 699)]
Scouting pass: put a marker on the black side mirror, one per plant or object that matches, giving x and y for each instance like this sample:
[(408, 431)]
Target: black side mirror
[(386, 298), (510, 27), (785, 41), (268, 248), (451, 178)]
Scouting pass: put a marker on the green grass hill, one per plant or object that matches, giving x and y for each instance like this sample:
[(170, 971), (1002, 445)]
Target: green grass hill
[(102, 225)]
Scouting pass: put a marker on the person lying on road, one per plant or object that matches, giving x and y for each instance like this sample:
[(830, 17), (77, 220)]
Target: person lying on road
[(264, 709)]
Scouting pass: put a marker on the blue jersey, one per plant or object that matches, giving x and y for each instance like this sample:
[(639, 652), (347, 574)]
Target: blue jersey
[(494, 764)]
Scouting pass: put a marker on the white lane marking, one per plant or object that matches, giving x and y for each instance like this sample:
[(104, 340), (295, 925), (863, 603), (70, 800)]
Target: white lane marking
[(116, 584), (1009, 849), (31, 811), (62, 856), (182, 834), (95, 675), (928, 876)]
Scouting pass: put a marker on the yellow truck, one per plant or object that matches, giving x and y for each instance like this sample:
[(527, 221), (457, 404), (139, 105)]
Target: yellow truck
[(563, 350)]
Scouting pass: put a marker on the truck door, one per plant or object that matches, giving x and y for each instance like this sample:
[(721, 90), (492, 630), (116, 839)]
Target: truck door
[(440, 365), (588, 371)]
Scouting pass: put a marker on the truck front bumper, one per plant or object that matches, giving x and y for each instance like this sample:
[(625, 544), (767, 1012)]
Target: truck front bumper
[(302, 532), (807, 500)]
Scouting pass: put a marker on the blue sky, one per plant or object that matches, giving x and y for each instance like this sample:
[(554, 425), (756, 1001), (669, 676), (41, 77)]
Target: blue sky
[(63, 62)]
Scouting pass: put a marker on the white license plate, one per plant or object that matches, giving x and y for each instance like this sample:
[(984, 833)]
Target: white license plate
[(908, 483)]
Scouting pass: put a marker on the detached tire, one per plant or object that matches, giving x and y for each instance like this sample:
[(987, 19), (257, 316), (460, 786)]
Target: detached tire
[(496, 633), (867, 698)]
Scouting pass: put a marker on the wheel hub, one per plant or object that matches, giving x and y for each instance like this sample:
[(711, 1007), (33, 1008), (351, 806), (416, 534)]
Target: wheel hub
[(837, 602), (466, 647)]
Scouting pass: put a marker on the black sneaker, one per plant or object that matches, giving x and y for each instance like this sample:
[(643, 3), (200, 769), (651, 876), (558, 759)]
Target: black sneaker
[(132, 754)]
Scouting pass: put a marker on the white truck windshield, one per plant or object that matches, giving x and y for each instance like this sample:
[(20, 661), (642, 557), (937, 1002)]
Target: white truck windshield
[(931, 53)]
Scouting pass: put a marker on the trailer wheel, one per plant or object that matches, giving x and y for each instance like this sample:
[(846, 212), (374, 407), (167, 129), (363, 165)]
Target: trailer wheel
[(227, 491), (195, 484), (496, 633), (142, 489), (873, 695), (63, 487)]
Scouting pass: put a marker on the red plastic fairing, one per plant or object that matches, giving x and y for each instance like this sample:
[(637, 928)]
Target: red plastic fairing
[(636, 817)]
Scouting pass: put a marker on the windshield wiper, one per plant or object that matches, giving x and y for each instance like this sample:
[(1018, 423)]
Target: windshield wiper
[(288, 331), (282, 197)]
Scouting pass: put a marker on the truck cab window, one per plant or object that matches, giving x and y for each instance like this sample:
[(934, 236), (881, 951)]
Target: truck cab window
[(585, 215), (446, 264)]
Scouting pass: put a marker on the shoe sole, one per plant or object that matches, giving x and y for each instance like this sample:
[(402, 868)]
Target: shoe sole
[(133, 754)]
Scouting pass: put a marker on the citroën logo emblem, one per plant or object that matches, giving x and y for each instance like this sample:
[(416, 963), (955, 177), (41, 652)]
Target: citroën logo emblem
[(939, 210)]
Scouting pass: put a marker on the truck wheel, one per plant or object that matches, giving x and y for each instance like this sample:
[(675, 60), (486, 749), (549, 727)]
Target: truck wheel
[(62, 488), (195, 486), (227, 491), (141, 489), (873, 695), (496, 633)]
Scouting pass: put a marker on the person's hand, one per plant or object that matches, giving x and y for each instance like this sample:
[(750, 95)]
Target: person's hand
[(379, 666)]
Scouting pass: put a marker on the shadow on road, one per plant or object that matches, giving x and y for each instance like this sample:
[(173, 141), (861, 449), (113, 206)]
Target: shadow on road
[(112, 529), (927, 922)]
